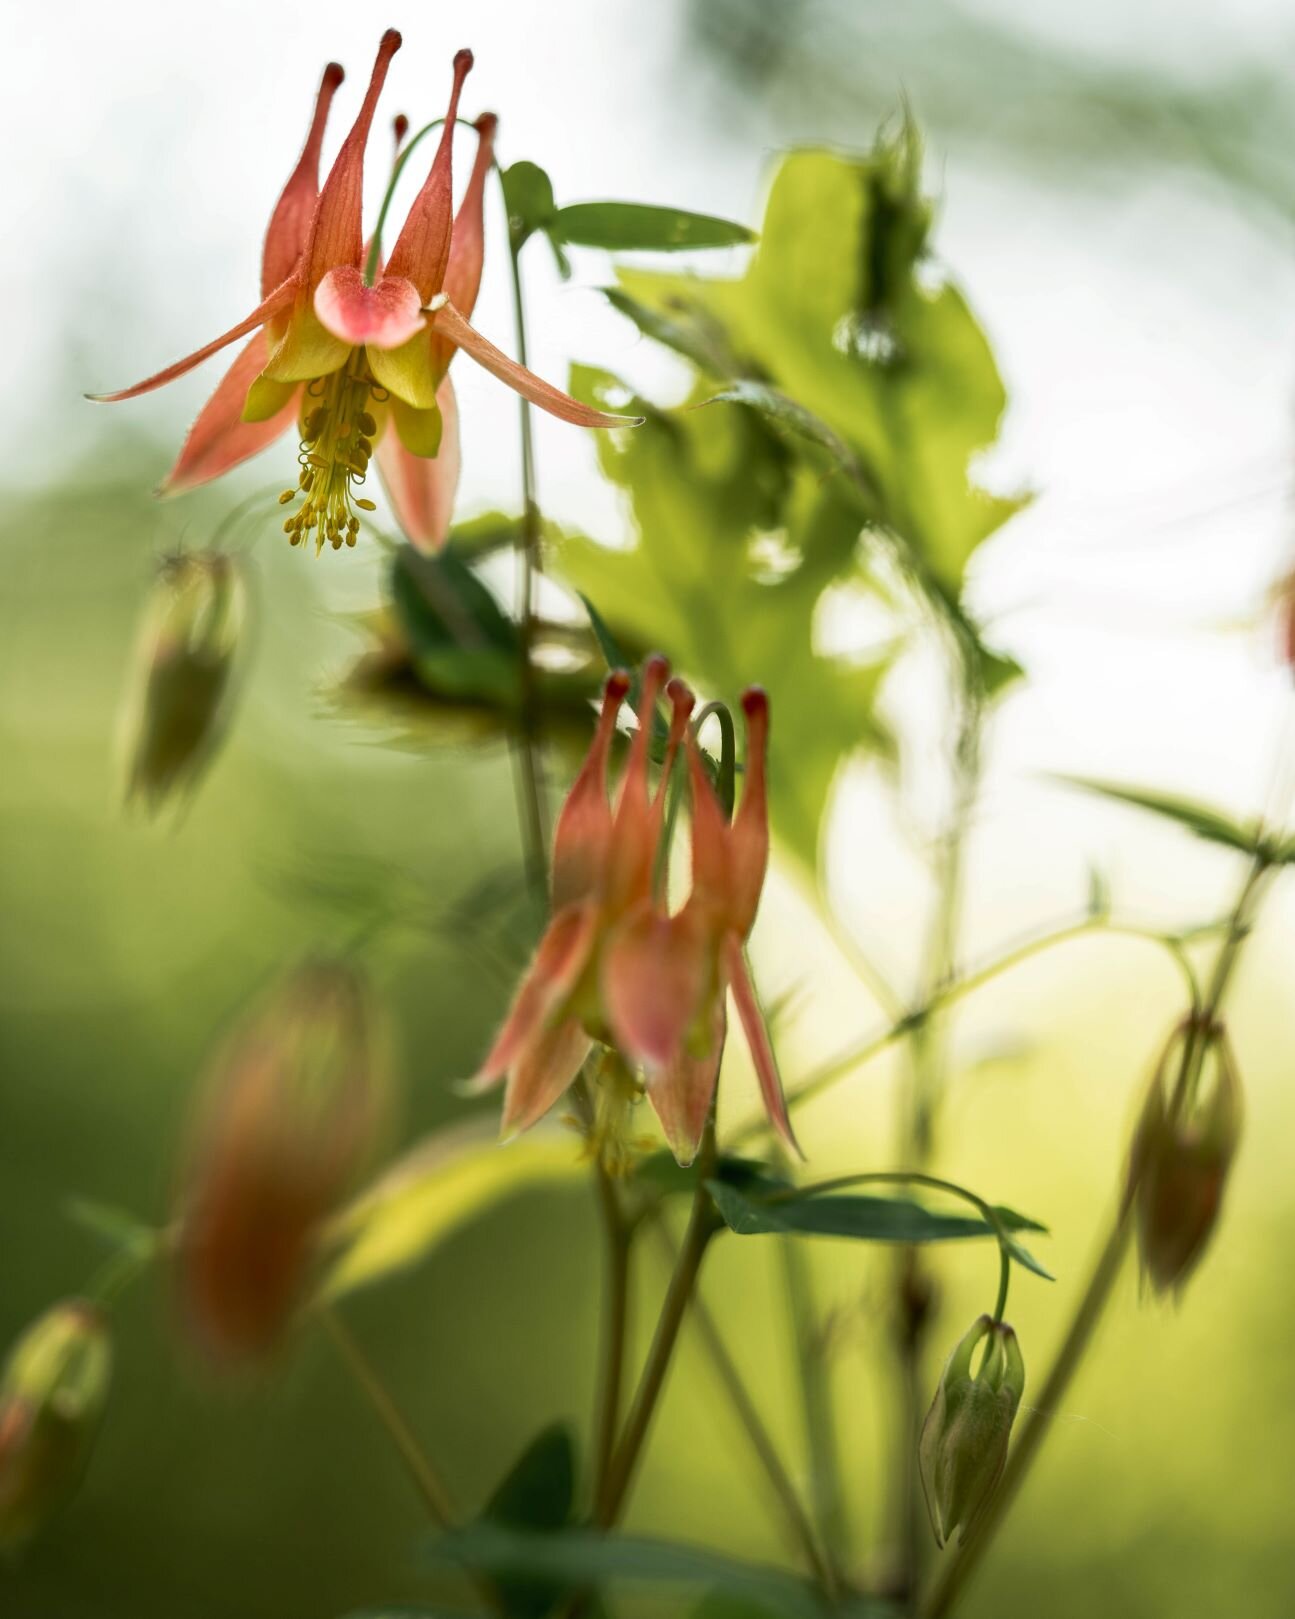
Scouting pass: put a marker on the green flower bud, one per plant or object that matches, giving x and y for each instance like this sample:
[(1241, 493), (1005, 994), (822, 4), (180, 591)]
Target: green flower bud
[(964, 1438), (52, 1397), (1179, 1163), (286, 1122), (184, 683)]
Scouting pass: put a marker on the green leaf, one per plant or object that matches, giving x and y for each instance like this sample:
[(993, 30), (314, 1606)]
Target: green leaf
[(638, 227), (537, 1493), (442, 1184), (577, 1558), (737, 543), (863, 1217), (528, 195), (1210, 824)]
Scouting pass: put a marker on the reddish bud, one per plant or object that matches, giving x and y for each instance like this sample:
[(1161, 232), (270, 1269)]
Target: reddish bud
[(292, 1103)]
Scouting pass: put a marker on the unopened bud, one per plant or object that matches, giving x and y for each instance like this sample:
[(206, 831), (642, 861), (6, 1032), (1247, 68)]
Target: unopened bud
[(52, 1397), (1179, 1162), (184, 682), (964, 1438), (293, 1101)]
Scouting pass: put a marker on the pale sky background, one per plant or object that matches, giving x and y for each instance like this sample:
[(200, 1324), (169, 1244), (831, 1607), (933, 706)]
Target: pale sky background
[(1142, 321)]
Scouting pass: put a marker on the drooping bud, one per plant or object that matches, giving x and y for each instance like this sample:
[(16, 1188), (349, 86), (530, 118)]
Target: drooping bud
[(186, 667), (52, 1398), (1180, 1158), (964, 1438), (293, 1100)]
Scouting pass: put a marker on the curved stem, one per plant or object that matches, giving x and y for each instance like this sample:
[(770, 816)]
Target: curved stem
[(748, 1414), (1105, 1272), (701, 1228), (615, 1321)]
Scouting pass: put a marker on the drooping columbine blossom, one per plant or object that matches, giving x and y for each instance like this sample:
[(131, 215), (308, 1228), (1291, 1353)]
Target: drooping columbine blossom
[(603, 864), (667, 978), (346, 358), (613, 965)]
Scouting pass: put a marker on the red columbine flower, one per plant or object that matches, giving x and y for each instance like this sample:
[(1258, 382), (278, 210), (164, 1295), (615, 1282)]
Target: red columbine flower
[(347, 359), (666, 978), (613, 965)]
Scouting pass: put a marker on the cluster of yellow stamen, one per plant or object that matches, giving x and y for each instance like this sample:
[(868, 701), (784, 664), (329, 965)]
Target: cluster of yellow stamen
[(337, 432)]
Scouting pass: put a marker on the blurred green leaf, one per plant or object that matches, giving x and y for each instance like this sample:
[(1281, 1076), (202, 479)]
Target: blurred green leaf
[(1210, 824), (737, 543), (537, 1493), (439, 1186), (583, 1557), (636, 226), (528, 195)]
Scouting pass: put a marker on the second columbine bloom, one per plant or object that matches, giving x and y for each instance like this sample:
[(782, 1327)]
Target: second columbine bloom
[(614, 966)]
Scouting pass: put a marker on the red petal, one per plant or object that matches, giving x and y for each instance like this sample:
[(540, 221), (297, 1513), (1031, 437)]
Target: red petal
[(468, 241), (422, 249), (422, 490), (335, 235), (634, 839), (559, 961), (385, 315), (749, 837), (683, 1093), (584, 827), (278, 299), (289, 228), (449, 323), (220, 438), (733, 964), (654, 974), (710, 833), (544, 1070)]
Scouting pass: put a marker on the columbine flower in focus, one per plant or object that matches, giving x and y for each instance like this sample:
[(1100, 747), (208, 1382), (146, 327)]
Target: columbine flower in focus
[(52, 1398), (188, 647), (293, 1100), (350, 358), (964, 1440), (613, 966)]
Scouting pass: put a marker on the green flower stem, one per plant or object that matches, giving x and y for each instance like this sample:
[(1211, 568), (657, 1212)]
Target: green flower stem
[(826, 1488), (858, 1056), (748, 1414), (530, 775), (618, 1237), (702, 1225), (1035, 1423)]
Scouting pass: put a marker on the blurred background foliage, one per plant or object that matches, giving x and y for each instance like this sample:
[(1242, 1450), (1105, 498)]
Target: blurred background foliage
[(126, 950)]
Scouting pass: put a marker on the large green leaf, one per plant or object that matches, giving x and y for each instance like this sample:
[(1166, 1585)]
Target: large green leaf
[(439, 1186), (536, 1494), (738, 541)]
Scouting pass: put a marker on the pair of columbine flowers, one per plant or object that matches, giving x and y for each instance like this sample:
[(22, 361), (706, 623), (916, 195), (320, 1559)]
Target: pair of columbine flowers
[(354, 352), (614, 966)]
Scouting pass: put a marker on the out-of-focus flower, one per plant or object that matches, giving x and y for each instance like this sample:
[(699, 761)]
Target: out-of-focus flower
[(667, 977), (185, 677), (347, 353), (52, 1398), (964, 1438), (1180, 1158), (613, 965), (289, 1116)]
